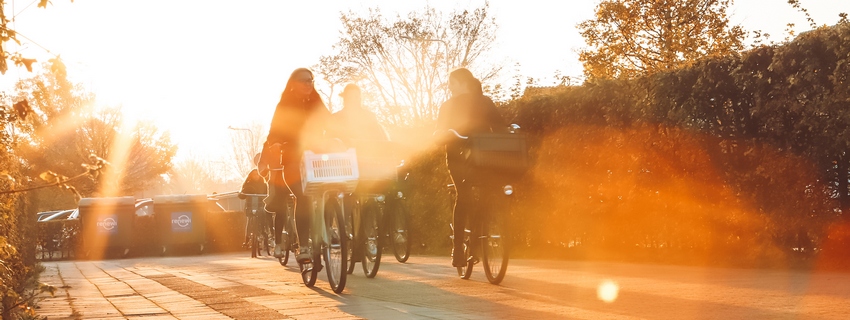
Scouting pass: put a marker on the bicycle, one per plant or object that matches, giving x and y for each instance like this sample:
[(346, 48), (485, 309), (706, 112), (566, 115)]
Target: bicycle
[(289, 241), (378, 171), (486, 233), (259, 229), (325, 177), (395, 217), (365, 241)]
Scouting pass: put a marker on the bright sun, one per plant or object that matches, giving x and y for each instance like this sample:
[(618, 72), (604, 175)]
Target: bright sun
[(608, 291)]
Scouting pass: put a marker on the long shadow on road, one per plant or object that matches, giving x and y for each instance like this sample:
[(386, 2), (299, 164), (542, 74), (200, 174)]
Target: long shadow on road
[(427, 288)]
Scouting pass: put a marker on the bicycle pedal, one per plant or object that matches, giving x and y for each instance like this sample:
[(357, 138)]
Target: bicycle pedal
[(305, 260), (318, 269)]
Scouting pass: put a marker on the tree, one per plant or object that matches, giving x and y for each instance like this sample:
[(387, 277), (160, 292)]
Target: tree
[(63, 129), (629, 38), (19, 285), (403, 63), (245, 142), (148, 156), (196, 175)]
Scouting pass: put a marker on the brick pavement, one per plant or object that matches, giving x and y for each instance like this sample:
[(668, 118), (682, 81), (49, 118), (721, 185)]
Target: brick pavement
[(136, 288), (229, 286)]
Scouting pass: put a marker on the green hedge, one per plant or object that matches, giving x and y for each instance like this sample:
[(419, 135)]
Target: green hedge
[(738, 160)]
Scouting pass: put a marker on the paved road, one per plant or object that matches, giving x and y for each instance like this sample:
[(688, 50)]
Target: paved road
[(234, 286)]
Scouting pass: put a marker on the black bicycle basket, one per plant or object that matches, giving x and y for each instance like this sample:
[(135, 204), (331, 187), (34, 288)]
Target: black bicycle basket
[(499, 151)]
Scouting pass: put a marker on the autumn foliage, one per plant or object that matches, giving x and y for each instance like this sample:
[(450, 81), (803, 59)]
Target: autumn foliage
[(739, 159)]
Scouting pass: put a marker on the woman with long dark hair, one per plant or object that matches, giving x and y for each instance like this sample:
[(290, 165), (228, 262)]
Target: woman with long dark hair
[(468, 111), (299, 121)]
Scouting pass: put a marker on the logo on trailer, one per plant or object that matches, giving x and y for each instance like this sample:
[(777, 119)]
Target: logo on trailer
[(181, 221), (107, 224)]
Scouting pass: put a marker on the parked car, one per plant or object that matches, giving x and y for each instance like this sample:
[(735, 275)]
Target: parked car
[(57, 232), (44, 214), (144, 207), (61, 215)]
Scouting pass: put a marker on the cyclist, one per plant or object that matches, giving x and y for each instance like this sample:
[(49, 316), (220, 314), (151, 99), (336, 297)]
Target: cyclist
[(353, 123), (253, 184), (468, 111), (299, 121)]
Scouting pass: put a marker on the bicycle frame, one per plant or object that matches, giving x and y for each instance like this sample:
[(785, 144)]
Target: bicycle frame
[(324, 178), (255, 223), (317, 219)]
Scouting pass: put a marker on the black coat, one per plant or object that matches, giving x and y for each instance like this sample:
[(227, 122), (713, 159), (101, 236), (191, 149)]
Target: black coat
[(467, 114)]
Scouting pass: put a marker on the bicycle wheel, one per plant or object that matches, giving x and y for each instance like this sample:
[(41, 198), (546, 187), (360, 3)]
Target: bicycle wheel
[(494, 245), (285, 242), (371, 241), (352, 244), (466, 271), (335, 252), (308, 272), (399, 236), (268, 234), (255, 243)]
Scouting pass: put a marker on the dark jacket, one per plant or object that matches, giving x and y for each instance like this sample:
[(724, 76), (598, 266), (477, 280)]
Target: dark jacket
[(468, 113), (353, 123), (256, 186), (298, 126), (252, 186)]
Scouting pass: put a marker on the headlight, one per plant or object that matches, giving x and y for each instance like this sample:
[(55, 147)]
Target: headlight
[(400, 195), (340, 195), (380, 198), (509, 190)]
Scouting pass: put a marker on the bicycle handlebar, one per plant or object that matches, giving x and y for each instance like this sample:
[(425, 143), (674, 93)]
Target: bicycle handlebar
[(458, 134), (254, 195)]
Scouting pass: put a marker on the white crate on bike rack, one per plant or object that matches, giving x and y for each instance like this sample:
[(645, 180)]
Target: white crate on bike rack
[(321, 170)]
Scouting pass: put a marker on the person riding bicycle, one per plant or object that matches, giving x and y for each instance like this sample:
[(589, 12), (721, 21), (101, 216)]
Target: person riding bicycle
[(299, 122), (254, 184), (355, 123), (468, 111)]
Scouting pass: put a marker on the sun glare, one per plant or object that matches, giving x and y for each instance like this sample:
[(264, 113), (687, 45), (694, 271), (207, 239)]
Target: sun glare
[(608, 291), (118, 156)]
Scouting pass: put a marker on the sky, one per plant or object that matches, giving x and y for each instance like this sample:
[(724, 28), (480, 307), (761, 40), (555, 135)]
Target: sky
[(195, 67)]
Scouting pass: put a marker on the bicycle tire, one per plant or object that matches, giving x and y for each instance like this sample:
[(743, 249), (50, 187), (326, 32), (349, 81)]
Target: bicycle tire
[(495, 245), (335, 252), (399, 235), (268, 235), (309, 276), (352, 242), (371, 241), (285, 243), (285, 258), (255, 243)]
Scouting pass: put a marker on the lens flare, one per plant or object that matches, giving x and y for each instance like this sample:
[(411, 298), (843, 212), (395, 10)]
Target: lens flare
[(608, 291)]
